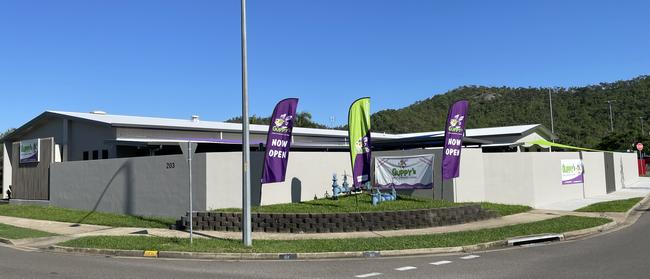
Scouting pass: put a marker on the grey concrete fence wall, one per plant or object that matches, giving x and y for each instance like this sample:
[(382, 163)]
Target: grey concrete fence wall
[(145, 186)]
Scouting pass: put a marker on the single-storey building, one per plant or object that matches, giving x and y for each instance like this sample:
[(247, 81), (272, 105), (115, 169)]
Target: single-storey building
[(135, 165)]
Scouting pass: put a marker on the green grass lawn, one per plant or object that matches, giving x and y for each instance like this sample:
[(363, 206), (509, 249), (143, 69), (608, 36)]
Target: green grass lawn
[(362, 203), (51, 213), (555, 225), (11, 232), (611, 206)]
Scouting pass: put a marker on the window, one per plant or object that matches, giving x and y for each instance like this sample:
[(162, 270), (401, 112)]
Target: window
[(85, 155), (95, 154), (104, 154)]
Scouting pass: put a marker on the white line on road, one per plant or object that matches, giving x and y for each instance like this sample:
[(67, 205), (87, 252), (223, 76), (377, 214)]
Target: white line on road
[(470, 257), (441, 262), (368, 275), (405, 268)]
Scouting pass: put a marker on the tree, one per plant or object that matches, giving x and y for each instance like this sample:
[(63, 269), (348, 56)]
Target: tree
[(303, 119), (8, 131), (621, 141)]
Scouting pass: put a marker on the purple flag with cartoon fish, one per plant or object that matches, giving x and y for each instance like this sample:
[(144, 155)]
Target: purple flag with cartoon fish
[(454, 132), (278, 141)]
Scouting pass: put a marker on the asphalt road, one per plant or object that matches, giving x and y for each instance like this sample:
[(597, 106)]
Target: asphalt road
[(620, 254)]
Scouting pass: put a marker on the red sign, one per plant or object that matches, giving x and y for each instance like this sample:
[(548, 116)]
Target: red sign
[(639, 146)]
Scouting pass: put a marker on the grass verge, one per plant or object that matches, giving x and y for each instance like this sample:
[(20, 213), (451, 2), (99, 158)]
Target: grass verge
[(363, 203), (11, 232), (555, 225), (51, 213), (611, 206)]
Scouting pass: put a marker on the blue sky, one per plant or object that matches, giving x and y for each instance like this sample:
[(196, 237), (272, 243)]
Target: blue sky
[(178, 58)]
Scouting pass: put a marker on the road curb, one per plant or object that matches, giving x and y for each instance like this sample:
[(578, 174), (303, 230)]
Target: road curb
[(572, 235), (307, 256), (6, 241), (93, 251), (322, 255), (279, 256), (636, 207), (626, 220)]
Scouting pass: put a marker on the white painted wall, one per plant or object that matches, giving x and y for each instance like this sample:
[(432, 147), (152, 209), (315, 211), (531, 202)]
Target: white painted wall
[(308, 174), (470, 186), (508, 178), (595, 183), (534, 178), (6, 169), (223, 180), (626, 169), (547, 178)]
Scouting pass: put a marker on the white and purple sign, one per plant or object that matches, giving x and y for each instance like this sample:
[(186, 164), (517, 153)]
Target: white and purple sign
[(30, 151), (278, 141), (454, 133), (572, 171), (404, 172)]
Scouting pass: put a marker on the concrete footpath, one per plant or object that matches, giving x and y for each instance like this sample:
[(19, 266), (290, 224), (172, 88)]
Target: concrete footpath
[(639, 189), (68, 231)]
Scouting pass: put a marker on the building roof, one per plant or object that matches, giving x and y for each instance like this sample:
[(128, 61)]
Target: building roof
[(491, 131), (186, 124), (202, 125)]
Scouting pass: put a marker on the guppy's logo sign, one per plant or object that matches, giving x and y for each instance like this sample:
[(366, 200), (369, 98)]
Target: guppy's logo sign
[(455, 124), (281, 124), (402, 171), (362, 145)]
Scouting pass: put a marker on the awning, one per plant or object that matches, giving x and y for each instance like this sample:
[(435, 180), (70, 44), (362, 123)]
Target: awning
[(343, 146), (512, 144), (421, 142), (545, 143)]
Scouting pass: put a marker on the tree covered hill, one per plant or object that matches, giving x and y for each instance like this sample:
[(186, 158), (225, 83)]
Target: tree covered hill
[(581, 114)]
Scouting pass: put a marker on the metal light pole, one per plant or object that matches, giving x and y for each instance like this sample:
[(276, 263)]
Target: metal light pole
[(611, 117), (641, 120), (246, 184), (189, 163)]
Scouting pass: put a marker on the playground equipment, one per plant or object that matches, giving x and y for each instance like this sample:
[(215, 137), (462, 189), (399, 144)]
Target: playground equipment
[(339, 190), (378, 196)]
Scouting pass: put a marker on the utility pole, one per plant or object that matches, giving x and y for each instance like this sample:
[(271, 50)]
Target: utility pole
[(611, 117), (246, 176), (641, 120)]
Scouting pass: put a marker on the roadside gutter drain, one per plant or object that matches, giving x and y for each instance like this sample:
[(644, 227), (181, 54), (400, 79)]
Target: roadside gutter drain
[(535, 239)]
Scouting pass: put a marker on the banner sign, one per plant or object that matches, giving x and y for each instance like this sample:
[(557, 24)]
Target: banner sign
[(572, 171), (278, 141), (359, 135), (404, 172), (454, 133), (30, 151)]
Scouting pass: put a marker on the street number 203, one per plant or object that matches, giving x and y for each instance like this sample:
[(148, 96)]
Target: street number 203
[(170, 165)]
